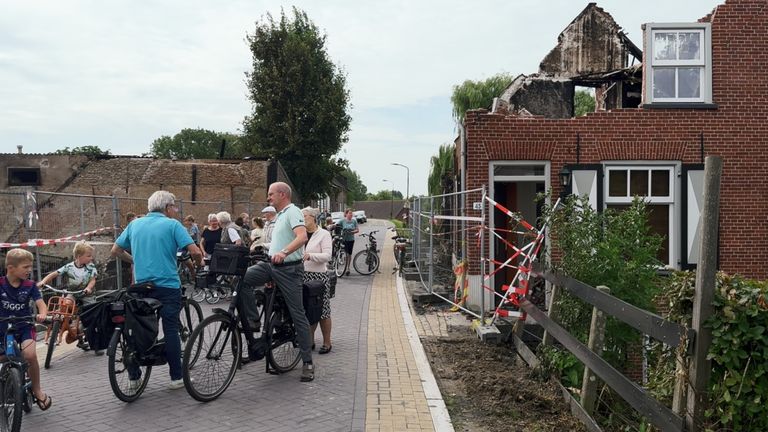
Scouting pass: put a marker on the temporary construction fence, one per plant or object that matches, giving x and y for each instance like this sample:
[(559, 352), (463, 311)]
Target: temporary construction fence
[(446, 227), (48, 223)]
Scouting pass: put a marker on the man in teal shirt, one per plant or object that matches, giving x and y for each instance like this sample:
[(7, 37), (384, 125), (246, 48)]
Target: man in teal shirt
[(153, 241), (286, 269)]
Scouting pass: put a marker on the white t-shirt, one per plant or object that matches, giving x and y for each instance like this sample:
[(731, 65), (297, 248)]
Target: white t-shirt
[(77, 277), (233, 235)]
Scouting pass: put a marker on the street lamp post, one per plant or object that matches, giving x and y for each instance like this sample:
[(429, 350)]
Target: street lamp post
[(391, 196), (407, 191)]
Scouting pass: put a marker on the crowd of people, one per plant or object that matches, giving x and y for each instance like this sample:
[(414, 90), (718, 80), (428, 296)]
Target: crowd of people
[(298, 251)]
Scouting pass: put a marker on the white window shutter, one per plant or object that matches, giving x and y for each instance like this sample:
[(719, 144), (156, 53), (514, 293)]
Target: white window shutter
[(693, 197), (587, 180)]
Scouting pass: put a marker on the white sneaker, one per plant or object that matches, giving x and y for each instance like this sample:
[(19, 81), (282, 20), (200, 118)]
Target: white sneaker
[(134, 385), (176, 384)]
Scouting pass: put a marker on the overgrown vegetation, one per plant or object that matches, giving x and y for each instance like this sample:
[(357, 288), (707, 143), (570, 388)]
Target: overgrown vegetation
[(738, 386), (89, 150), (477, 94)]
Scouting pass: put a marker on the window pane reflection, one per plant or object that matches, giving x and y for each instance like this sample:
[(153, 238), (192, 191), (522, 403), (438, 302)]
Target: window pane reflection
[(617, 183), (663, 82), (665, 46), (660, 183), (689, 82), (638, 183), (689, 45)]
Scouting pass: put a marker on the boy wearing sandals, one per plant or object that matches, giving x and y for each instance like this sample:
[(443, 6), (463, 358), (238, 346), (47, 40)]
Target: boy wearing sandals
[(15, 292)]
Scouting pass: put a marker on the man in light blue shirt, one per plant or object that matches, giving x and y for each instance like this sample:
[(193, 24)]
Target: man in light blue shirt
[(153, 241)]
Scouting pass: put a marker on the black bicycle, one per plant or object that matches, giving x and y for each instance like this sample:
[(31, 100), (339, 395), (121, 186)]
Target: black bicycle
[(399, 249), (15, 385), (217, 344), (338, 256), (367, 260)]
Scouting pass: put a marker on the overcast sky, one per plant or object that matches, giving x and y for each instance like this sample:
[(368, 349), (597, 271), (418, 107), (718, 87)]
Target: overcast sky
[(118, 74)]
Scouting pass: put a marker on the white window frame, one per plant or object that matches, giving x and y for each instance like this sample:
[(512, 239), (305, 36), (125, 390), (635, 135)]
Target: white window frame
[(671, 200), (705, 62)]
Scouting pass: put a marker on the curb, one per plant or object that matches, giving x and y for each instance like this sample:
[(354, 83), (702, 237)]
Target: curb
[(440, 418)]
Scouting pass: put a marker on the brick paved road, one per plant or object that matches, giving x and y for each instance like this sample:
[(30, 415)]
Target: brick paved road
[(335, 401)]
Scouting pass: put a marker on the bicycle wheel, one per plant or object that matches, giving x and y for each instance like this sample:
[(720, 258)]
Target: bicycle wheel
[(341, 263), (123, 364), (52, 342), (366, 262), (11, 396), (190, 316), (198, 294), (217, 340), (283, 350), (212, 295)]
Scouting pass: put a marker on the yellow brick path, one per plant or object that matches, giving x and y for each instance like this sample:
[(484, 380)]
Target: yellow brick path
[(395, 398)]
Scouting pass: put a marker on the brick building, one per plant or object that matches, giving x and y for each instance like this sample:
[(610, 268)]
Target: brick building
[(702, 93)]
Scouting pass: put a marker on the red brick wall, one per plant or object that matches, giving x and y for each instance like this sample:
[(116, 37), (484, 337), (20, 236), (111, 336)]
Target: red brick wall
[(737, 131)]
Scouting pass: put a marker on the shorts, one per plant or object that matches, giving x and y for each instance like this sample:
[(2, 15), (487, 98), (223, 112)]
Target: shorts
[(22, 334), (348, 246)]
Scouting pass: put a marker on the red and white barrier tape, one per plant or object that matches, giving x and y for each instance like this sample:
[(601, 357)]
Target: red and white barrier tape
[(45, 242)]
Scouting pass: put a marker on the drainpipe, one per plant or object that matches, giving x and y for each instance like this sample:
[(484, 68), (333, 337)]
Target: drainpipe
[(463, 196)]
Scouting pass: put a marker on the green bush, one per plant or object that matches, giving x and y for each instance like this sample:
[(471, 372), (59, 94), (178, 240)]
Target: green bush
[(612, 248), (738, 386)]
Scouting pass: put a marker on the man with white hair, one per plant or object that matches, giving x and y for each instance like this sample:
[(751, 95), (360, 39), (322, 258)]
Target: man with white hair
[(153, 241), (286, 251), (268, 214)]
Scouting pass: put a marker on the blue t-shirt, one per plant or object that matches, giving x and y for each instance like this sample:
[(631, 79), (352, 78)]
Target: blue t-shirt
[(348, 226), (153, 241), (15, 301)]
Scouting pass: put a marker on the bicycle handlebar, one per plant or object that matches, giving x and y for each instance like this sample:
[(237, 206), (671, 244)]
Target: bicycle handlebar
[(62, 291)]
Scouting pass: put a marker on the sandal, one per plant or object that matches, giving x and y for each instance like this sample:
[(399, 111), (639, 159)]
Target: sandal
[(325, 349), (44, 404)]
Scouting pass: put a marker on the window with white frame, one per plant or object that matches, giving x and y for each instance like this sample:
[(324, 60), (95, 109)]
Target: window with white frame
[(656, 185), (680, 60)]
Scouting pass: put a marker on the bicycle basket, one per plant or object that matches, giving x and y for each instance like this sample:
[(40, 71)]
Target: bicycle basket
[(229, 259)]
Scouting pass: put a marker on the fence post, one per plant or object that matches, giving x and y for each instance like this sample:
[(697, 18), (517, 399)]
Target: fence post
[(431, 243), (417, 233), (552, 312), (181, 208), (116, 223), (482, 260), (82, 214), (699, 370), (595, 344)]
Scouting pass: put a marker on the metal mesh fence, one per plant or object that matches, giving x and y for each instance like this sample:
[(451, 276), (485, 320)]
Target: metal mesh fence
[(60, 220)]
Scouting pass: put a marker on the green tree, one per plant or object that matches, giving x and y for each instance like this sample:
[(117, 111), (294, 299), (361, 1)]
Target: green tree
[(583, 102), (477, 94), (356, 190), (385, 195), (198, 144), (441, 172), (299, 101), (90, 151)]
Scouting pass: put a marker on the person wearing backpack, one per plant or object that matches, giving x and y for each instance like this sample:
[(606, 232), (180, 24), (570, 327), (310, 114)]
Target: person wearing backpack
[(231, 233), (153, 241)]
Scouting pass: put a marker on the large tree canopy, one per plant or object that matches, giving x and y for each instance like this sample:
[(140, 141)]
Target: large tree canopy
[(355, 187), (299, 100), (441, 171), (477, 94), (198, 144)]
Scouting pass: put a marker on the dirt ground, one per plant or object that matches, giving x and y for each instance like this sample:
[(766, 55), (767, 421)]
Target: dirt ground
[(485, 389)]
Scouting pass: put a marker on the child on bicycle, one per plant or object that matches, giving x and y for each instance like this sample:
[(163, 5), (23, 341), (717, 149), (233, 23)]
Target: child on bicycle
[(79, 274), (15, 292)]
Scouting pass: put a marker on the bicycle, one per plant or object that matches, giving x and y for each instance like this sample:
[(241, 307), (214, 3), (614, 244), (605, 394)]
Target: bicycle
[(219, 337), (367, 260), (129, 368), (63, 311), (338, 256), (15, 385), (399, 249)]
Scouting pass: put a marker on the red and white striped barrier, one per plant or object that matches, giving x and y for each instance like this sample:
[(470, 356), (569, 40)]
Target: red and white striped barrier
[(45, 242)]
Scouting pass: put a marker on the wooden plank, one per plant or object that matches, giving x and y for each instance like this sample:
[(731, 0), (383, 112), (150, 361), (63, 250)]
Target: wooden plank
[(648, 323), (595, 344), (554, 309), (578, 411), (524, 352), (658, 414), (700, 366)]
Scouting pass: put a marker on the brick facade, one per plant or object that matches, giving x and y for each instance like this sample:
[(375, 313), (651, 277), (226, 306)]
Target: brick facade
[(735, 130)]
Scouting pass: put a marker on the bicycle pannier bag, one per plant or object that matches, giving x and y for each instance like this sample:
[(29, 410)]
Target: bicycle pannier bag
[(229, 259), (98, 324), (313, 300), (141, 323)]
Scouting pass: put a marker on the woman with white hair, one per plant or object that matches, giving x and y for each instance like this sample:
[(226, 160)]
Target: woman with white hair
[(317, 254), (210, 236)]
